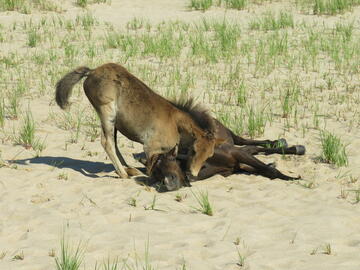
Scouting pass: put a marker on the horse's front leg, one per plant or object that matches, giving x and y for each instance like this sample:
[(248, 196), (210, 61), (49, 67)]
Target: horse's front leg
[(129, 170)]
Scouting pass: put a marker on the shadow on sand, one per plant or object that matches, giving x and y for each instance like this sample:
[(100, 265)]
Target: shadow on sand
[(85, 167)]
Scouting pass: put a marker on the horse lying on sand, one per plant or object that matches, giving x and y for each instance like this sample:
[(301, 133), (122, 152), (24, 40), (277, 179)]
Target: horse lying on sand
[(125, 103), (228, 157)]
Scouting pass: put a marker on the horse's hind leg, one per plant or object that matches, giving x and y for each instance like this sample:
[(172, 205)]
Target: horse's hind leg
[(293, 150), (241, 141), (260, 167), (107, 139)]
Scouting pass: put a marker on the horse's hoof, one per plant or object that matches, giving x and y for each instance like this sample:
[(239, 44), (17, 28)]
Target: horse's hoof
[(190, 177), (123, 176), (272, 164), (282, 143), (133, 171), (300, 149)]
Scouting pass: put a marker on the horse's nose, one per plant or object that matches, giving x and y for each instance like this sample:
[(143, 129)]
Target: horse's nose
[(171, 182)]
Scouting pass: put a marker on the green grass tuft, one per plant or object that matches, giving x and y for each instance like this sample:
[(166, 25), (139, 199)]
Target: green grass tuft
[(333, 150), (202, 198), (270, 21), (69, 259), (200, 4), (236, 4)]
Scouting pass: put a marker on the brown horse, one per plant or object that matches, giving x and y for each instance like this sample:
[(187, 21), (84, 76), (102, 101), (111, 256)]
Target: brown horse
[(228, 158), (125, 103)]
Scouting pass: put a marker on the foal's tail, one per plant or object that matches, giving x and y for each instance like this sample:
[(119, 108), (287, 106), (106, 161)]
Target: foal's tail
[(65, 85)]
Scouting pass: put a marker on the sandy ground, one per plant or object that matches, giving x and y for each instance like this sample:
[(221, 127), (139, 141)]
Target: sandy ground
[(72, 188)]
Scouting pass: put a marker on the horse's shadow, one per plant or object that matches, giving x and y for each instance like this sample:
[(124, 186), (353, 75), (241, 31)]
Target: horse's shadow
[(85, 167)]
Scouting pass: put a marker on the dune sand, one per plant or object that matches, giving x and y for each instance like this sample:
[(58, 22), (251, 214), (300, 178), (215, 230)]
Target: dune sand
[(72, 188)]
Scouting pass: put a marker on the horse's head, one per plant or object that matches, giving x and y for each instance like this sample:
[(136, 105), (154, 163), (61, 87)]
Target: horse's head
[(201, 150), (167, 170)]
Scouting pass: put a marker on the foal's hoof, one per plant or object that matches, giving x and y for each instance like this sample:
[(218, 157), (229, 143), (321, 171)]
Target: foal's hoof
[(281, 143), (123, 176), (133, 171), (300, 149), (272, 165), (190, 177)]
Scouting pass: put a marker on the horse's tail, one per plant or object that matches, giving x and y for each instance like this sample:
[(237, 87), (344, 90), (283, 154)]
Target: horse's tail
[(65, 85)]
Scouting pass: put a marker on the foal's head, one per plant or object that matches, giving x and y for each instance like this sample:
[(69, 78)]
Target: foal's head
[(167, 170)]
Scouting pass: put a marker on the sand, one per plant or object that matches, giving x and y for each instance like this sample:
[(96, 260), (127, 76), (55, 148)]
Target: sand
[(72, 189)]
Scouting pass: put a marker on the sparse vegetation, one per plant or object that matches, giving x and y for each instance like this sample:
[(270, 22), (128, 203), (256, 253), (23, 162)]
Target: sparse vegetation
[(19, 257), (327, 249), (263, 74), (270, 21), (24, 6), (241, 258), (26, 135), (202, 198), (70, 258), (200, 4), (333, 150), (328, 7)]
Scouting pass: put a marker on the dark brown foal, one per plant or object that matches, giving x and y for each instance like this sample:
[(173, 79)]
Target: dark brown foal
[(229, 159)]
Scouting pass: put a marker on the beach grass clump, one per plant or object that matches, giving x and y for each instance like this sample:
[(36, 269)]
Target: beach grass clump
[(82, 3), (332, 7), (33, 38), (12, 5), (109, 265), (26, 135), (256, 123), (202, 199), (200, 4), (333, 150), (25, 7), (236, 4), (269, 21), (69, 259)]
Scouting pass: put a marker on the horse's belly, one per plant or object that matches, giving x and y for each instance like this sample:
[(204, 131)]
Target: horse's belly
[(130, 128)]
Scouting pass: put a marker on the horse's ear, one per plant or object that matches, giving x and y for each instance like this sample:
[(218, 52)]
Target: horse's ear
[(173, 152), (151, 163)]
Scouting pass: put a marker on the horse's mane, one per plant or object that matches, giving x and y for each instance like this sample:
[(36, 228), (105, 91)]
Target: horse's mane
[(197, 112)]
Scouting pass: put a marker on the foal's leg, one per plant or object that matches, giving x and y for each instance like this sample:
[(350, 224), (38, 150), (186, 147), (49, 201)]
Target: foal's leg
[(241, 141), (107, 118), (129, 170), (259, 166), (293, 150), (209, 171)]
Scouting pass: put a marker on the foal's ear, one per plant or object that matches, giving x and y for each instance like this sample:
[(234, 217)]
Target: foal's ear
[(173, 152), (151, 163)]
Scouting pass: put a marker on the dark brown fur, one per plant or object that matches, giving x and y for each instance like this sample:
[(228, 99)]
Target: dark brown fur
[(228, 157)]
